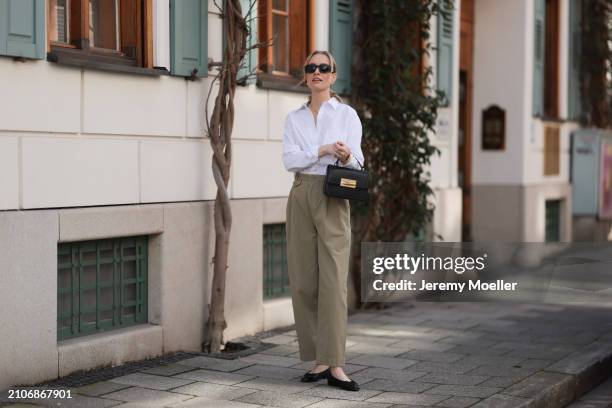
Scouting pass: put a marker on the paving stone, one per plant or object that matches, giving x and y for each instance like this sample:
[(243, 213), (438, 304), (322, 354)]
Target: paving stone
[(493, 360), (281, 350), (202, 402), (143, 395), (482, 351), (408, 398), (464, 390), (154, 382), (501, 382), (383, 362), (385, 373), (453, 379), (279, 361), (537, 383), (99, 388), (77, 401), (338, 403), (468, 342), (276, 399), (216, 377), (501, 401), (370, 349), (277, 385), (377, 341), (456, 367), (422, 345), (213, 391), (382, 384), (215, 363), (516, 374), (325, 391), (266, 371), (168, 370), (433, 356), (535, 363), (284, 338), (458, 402)]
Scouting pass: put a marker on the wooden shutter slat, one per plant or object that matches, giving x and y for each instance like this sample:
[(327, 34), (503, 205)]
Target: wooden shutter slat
[(445, 49), (341, 41), (250, 59), (538, 60), (574, 101)]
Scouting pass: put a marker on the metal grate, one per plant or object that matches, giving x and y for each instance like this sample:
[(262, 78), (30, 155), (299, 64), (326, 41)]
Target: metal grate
[(102, 285), (276, 278), (553, 220)]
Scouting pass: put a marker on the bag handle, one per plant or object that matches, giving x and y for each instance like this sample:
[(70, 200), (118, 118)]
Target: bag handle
[(337, 160)]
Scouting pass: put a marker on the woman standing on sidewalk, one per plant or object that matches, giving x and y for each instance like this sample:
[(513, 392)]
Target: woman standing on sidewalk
[(320, 132)]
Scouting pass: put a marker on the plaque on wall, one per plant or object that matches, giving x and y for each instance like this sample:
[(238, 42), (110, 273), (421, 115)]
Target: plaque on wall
[(493, 128)]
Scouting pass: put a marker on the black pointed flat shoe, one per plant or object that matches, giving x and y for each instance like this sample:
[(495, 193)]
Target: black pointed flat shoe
[(311, 377), (345, 385)]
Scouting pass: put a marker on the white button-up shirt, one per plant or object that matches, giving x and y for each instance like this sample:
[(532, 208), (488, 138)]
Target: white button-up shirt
[(302, 138)]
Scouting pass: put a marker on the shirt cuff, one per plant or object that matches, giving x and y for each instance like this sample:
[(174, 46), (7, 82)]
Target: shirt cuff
[(314, 153), (352, 162)]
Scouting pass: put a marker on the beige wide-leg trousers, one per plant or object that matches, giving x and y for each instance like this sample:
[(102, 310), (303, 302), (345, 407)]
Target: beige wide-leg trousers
[(318, 247)]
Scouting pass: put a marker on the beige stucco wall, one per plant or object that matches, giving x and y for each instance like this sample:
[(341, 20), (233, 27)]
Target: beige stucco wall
[(517, 212)]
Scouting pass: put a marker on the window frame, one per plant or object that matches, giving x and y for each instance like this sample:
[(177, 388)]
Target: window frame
[(135, 38), (300, 39)]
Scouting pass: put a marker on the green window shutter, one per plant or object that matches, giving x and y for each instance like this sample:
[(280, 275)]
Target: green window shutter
[(341, 42), (445, 49), (249, 63), (574, 98), (189, 37), (22, 28), (538, 57)]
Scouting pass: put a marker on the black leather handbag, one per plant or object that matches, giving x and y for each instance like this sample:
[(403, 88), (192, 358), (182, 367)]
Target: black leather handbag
[(344, 182)]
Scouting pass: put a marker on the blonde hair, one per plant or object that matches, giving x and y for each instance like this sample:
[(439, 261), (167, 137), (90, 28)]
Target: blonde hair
[(332, 62)]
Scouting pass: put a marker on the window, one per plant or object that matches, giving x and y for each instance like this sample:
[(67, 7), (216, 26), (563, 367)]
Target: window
[(101, 31), (276, 277), (287, 24), (102, 285)]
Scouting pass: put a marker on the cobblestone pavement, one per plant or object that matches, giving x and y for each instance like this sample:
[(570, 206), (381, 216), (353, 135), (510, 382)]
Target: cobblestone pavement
[(428, 354)]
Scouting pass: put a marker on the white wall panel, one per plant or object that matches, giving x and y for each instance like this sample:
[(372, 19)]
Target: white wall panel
[(39, 96), (176, 171), (133, 105), (65, 172), (9, 173)]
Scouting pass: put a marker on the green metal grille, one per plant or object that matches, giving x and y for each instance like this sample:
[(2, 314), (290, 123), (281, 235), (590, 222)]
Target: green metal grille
[(276, 278), (102, 285), (553, 220)]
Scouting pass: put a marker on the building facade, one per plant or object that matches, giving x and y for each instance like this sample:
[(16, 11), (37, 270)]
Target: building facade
[(106, 191)]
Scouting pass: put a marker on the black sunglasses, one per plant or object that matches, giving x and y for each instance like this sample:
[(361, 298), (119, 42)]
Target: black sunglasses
[(323, 68)]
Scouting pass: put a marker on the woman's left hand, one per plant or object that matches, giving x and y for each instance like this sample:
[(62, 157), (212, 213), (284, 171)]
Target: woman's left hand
[(342, 151)]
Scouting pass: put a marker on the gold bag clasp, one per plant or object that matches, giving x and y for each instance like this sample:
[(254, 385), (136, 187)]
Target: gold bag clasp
[(344, 182)]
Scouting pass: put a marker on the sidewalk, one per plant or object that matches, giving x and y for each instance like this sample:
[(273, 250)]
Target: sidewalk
[(444, 355)]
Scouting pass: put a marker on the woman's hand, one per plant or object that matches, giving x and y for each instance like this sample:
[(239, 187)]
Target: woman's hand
[(342, 151), (327, 149)]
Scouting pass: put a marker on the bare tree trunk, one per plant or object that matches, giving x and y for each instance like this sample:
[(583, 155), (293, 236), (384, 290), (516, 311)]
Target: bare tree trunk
[(220, 132)]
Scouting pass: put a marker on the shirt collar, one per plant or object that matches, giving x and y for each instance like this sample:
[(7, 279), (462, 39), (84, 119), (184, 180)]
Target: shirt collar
[(333, 102)]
